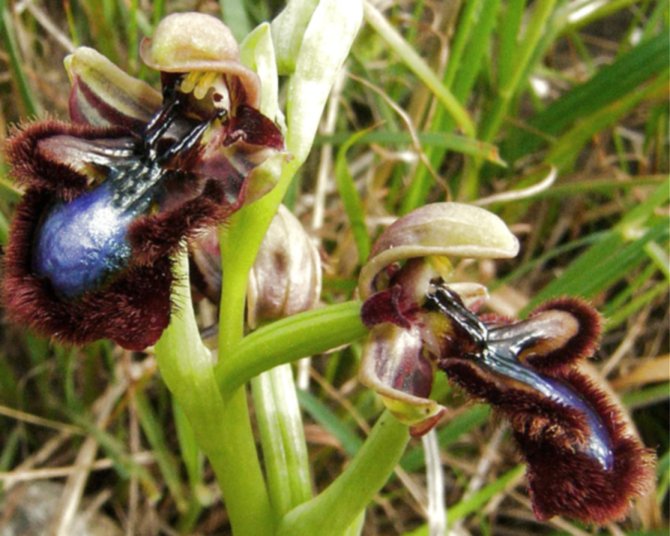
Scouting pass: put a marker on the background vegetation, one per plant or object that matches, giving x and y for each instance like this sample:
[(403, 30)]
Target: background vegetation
[(576, 91)]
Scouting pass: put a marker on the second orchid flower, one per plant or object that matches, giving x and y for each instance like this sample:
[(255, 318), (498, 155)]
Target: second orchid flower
[(584, 460)]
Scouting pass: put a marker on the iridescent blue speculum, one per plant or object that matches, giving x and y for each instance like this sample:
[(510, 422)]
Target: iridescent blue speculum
[(82, 242), (498, 351), (114, 193)]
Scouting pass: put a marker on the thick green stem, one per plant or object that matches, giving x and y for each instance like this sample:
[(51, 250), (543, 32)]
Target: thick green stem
[(333, 511), (241, 238), (187, 368), (288, 340)]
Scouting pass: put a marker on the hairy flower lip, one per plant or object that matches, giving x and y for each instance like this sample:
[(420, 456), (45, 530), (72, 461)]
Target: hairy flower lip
[(133, 311), (64, 162), (583, 460)]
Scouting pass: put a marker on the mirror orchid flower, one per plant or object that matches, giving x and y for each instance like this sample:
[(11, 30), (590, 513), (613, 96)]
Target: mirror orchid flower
[(583, 458), (113, 193)]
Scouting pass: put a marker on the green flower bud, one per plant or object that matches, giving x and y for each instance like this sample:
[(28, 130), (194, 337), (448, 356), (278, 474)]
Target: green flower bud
[(286, 277)]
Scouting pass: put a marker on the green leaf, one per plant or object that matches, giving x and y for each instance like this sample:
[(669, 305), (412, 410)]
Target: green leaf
[(29, 101), (234, 14), (609, 85), (353, 205), (440, 140), (323, 415), (167, 464)]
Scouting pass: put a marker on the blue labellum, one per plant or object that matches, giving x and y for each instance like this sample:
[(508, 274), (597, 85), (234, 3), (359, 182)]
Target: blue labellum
[(599, 443), (81, 242), (498, 349)]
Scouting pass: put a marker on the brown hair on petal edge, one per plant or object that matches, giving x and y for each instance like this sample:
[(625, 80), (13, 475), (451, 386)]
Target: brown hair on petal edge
[(581, 346), (527, 410), (32, 168), (132, 309), (156, 236), (564, 482)]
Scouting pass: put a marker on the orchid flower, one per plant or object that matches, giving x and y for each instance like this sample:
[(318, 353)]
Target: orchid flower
[(113, 193), (584, 460)]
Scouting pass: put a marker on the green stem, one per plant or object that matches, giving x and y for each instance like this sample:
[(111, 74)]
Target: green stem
[(240, 240), (187, 368), (350, 493), (283, 439), (288, 340)]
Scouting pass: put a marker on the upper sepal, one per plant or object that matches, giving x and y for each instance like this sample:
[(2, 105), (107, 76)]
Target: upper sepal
[(439, 230), (197, 44)]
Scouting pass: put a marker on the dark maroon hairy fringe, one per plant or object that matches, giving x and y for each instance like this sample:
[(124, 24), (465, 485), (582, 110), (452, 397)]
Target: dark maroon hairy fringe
[(152, 237), (562, 480), (528, 411), (33, 169), (582, 345), (133, 309)]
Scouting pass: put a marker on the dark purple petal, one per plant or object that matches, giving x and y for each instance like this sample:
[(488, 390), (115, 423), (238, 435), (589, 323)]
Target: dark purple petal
[(253, 128), (59, 157), (105, 96)]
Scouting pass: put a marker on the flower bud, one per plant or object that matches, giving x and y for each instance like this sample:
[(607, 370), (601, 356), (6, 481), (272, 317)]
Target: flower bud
[(285, 279)]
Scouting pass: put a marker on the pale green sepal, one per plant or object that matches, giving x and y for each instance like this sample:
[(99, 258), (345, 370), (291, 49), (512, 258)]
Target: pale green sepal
[(258, 53), (325, 47), (288, 29), (440, 229)]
